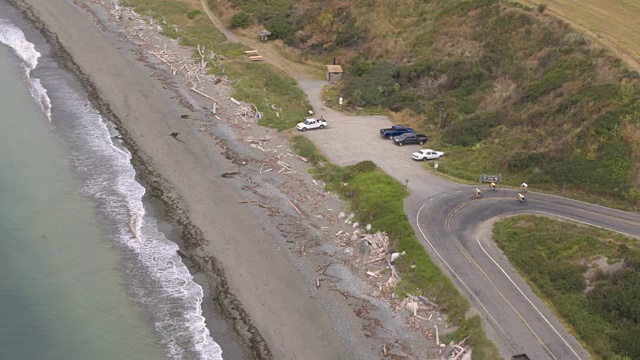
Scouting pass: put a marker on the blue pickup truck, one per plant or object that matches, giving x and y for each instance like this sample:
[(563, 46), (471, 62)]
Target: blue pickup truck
[(395, 130)]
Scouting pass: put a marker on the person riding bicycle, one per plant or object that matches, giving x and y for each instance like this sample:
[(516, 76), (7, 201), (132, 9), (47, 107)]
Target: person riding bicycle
[(521, 198), (478, 193), (524, 187), (493, 186)]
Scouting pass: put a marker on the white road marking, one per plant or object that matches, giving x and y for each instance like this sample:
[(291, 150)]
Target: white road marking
[(525, 296), (454, 273), (584, 223), (582, 202)]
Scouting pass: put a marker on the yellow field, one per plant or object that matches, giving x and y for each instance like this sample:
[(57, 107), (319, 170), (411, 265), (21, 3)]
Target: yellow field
[(614, 23)]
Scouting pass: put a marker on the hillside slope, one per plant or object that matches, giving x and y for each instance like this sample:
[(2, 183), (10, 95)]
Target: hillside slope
[(502, 87)]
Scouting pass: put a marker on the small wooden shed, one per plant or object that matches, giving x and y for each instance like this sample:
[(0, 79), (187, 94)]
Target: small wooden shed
[(334, 73)]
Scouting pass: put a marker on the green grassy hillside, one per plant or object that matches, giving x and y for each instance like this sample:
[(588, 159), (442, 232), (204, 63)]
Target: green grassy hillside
[(502, 87)]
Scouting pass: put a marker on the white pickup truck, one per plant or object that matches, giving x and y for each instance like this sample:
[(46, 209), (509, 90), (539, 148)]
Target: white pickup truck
[(312, 123)]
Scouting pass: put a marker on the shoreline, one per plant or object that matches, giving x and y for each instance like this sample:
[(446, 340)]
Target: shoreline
[(282, 279), (168, 210)]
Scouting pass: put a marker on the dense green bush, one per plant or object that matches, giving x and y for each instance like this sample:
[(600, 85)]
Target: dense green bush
[(374, 87), (558, 74), (240, 20), (191, 14), (349, 33), (470, 130)]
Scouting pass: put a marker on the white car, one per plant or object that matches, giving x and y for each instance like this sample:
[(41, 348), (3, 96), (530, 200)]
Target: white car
[(312, 123), (426, 154)]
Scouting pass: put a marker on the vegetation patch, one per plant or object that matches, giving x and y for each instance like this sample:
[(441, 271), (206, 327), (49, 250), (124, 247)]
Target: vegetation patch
[(377, 198), (256, 83), (589, 275)]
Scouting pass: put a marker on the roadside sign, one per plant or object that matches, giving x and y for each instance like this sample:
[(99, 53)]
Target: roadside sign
[(484, 178), (435, 165), (340, 101)]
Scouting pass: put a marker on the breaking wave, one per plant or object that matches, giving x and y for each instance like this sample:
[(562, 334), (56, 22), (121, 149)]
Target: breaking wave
[(13, 37)]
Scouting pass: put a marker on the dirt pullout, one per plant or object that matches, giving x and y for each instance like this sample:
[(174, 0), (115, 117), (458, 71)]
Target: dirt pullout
[(259, 240)]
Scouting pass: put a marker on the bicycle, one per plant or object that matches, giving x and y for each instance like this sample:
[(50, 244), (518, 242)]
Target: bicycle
[(521, 201)]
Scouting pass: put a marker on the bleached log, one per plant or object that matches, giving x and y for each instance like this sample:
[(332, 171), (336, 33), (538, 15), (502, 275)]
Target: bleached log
[(203, 94), (234, 101), (394, 273), (295, 208), (426, 301), (284, 164)]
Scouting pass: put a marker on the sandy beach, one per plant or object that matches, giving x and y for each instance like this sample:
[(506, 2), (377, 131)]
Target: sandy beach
[(253, 261)]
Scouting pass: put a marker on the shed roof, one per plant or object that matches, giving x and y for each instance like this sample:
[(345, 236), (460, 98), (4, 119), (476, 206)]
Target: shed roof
[(334, 68)]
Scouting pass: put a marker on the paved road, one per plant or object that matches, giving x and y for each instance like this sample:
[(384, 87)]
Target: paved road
[(456, 229), (449, 223)]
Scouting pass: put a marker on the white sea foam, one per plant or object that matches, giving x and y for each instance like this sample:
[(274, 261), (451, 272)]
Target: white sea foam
[(159, 277), (13, 37)]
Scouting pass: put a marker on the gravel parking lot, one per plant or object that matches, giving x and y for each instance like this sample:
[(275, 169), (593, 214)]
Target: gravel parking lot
[(350, 139)]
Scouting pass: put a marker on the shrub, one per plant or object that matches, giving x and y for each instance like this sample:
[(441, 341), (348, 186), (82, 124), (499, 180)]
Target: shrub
[(349, 34), (240, 20), (542, 8), (558, 74), (191, 14), (374, 87), (282, 28), (305, 147), (470, 130)]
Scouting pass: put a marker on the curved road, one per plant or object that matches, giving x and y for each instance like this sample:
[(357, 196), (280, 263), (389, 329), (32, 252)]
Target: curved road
[(455, 228)]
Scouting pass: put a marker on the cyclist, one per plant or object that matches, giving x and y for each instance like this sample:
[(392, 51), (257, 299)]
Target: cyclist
[(493, 186), (478, 193), (521, 198), (524, 187)]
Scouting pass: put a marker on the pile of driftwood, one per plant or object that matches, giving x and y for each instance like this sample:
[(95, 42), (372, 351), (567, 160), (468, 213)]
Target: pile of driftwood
[(247, 114), (194, 69), (379, 245), (259, 143), (418, 303), (144, 22), (457, 351)]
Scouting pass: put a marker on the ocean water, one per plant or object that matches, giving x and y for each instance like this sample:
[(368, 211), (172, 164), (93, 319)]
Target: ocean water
[(84, 271)]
